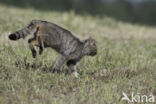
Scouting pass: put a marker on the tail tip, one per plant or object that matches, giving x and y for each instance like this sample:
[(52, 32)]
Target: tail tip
[(12, 37)]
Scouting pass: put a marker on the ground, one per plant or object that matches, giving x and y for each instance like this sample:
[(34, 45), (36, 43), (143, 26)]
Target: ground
[(126, 61)]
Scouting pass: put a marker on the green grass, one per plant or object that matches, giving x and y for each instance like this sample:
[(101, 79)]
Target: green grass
[(126, 61)]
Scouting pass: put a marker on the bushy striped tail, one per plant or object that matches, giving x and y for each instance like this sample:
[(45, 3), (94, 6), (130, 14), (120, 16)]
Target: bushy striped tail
[(23, 32)]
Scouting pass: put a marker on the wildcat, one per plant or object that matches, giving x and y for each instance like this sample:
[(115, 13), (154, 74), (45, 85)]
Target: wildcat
[(47, 34)]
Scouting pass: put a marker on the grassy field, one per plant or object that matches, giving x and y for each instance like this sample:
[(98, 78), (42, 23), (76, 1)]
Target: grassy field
[(126, 61)]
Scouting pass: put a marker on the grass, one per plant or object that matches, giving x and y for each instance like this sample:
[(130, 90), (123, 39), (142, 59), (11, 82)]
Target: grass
[(126, 61)]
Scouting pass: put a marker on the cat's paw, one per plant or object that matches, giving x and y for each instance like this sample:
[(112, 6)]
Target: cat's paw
[(75, 74), (54, 70), (34, 55), (40, 52)]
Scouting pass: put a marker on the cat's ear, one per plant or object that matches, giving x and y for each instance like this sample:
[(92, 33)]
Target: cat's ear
[(84, 41), (90, 38), (92, 41)]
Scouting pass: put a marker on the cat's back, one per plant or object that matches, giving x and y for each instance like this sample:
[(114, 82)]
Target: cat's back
[(49, 26), (59, 38)]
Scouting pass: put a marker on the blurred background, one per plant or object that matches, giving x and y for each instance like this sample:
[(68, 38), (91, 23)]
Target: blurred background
[(135, 11)]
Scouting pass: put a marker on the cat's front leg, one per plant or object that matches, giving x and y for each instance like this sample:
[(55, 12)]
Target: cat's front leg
[(32, 43), (73, 70), (72, 67), (58, 64)]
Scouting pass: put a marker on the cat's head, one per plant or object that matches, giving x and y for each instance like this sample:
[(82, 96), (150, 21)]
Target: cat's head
[(90, 47)]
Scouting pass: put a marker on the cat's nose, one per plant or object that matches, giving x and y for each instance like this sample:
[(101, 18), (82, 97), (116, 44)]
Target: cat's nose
[(93, 53)]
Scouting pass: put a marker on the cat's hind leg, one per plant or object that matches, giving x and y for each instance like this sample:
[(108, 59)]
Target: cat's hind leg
[(32, 43), (41, 45)]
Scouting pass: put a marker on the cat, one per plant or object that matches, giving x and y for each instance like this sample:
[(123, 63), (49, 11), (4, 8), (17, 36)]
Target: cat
[(47, 34)]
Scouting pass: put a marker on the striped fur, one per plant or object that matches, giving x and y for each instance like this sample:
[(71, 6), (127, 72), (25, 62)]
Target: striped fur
[(47, 34), (23, 32)]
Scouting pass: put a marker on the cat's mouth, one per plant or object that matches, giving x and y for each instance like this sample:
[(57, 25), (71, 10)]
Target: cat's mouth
[(93, 53)]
